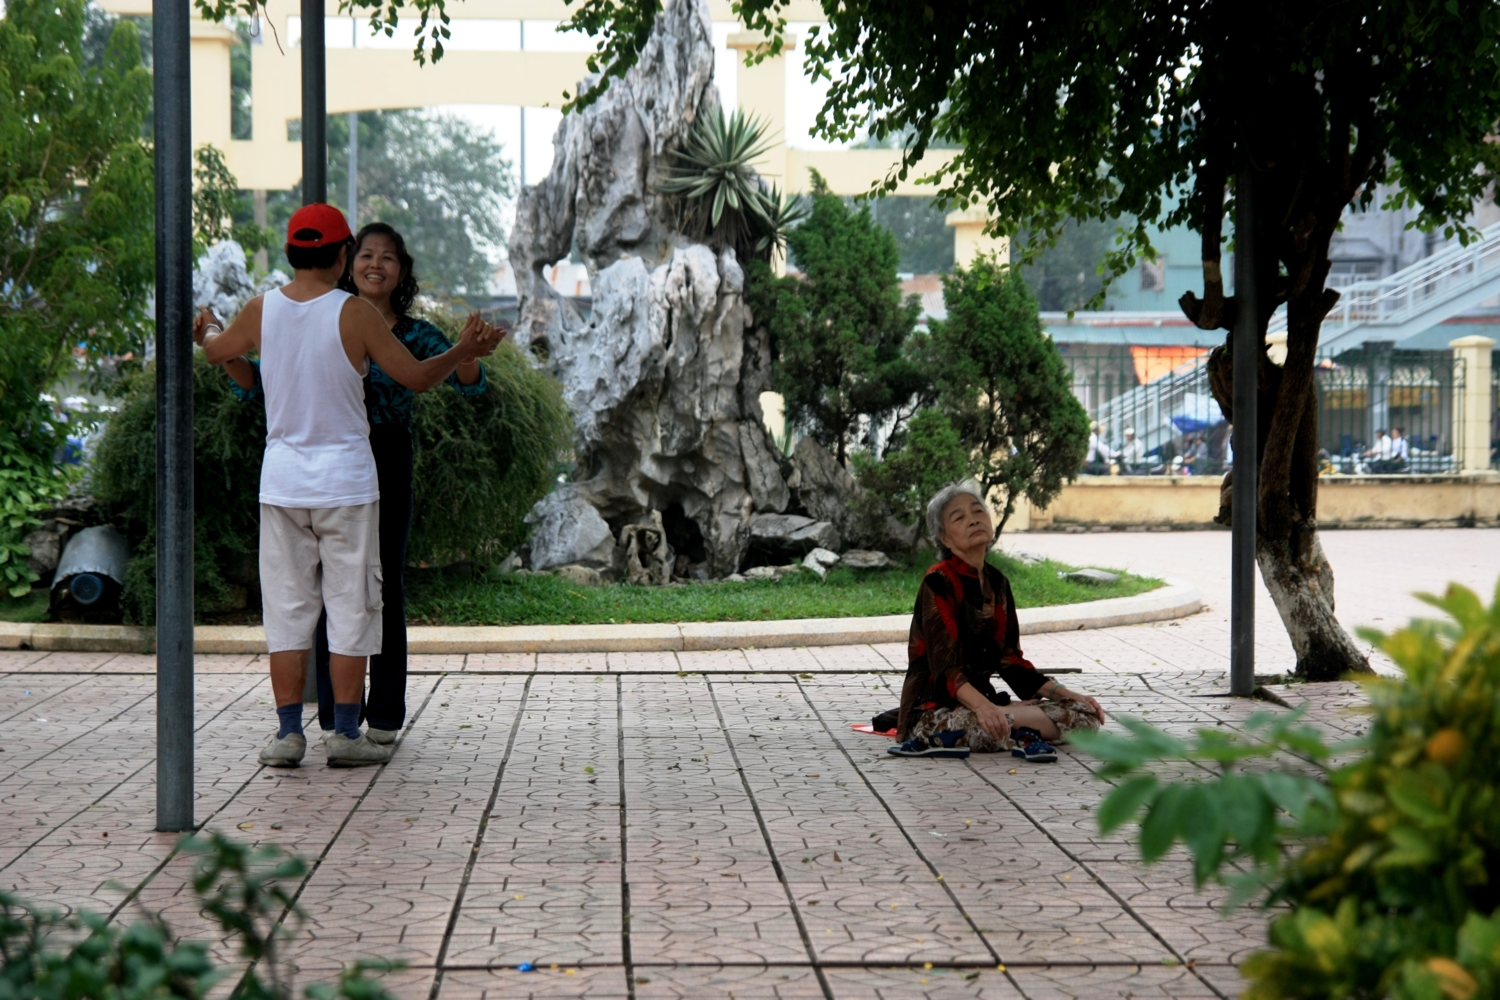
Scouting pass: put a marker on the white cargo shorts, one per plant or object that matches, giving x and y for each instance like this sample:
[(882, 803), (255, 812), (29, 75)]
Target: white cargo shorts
[(313, 559)]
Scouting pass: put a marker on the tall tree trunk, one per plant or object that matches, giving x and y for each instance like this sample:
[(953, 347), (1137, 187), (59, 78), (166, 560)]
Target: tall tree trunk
[(1288, 551)]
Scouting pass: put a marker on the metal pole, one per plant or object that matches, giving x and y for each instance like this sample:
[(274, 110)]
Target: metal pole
[(314, 104), (174, 416), (1248, 346), (314, 160)]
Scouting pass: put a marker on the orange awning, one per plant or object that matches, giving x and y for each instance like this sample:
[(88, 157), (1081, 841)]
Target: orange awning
[(1151, 363)]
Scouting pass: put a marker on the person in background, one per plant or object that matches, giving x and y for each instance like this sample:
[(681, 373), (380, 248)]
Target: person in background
[(1132, 455), (1195, 458), (382, 272), (964, 631), (1400, 450), (1380, 455), (1096, 462)]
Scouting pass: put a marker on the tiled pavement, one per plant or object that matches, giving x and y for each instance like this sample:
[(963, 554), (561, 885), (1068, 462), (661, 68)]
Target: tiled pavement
[(648, 825)]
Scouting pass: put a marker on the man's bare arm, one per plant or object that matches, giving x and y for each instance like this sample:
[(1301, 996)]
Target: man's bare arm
[(242, 336), (362, 324)]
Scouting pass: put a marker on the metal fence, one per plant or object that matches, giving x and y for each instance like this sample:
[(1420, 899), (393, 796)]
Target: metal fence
[(1380, 410)]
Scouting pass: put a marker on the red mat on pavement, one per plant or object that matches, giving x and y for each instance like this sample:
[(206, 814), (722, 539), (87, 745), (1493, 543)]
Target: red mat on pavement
[(865, 727)]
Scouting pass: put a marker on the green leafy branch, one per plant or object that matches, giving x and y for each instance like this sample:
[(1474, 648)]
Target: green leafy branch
[(1385, 856), (1233, 816), (244, 890)]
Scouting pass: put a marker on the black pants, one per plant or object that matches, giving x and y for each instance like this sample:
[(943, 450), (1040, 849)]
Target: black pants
[(385, 706)]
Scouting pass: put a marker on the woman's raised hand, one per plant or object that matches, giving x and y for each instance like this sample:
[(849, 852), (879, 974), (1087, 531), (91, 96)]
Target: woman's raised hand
[(477, 339), (203, 322)]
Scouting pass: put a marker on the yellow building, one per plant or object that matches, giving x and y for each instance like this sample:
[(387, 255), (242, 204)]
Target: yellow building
[(368, 78)]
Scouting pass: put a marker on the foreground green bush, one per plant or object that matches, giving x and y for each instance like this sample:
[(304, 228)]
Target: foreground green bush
[(1389, 861), (481, 463), (44, 956)]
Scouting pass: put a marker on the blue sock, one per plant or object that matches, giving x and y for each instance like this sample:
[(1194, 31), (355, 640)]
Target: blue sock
[(291, 719), (346, 720)]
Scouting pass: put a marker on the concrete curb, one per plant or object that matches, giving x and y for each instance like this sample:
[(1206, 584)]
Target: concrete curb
[(1177, 599)]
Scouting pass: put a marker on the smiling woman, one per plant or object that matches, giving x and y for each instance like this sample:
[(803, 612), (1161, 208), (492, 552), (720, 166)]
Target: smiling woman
[(963, 632)]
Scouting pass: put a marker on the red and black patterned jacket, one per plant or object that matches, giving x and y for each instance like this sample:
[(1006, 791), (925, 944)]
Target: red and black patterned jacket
[(957, 635)]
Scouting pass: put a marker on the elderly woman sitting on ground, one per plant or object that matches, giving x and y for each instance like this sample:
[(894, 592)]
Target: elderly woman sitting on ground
[(964, 631)]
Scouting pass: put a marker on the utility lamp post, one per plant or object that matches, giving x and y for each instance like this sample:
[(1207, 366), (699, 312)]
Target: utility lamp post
[(174, 415), (1248, 347), (314, 104)]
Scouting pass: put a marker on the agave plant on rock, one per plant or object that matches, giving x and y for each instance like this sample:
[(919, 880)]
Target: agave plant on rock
[(723, 200)]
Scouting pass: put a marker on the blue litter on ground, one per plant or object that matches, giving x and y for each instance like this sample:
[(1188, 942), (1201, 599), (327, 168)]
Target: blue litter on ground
[(525, 967)]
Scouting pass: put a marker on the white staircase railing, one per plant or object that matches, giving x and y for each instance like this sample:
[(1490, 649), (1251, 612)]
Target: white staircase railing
[(1413, 299)]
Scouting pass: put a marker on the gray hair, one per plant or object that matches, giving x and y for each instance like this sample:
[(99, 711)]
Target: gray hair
[(938, 503)]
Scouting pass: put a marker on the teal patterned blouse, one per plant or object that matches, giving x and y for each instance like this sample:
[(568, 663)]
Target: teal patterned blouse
[(388, 401)]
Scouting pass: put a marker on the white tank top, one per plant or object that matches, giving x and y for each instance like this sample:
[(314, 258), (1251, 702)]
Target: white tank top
[(317, 431)]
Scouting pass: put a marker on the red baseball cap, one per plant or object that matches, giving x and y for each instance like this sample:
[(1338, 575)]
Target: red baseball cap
[(317, 225)]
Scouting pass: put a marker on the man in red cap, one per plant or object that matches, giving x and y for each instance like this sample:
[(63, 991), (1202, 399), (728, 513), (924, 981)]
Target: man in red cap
[(319, 495)]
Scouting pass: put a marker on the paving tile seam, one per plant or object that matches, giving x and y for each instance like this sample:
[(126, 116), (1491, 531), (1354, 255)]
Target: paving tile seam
[(625, 954), (921, 855), (474, 849), (1229, 721), (1120, 900), (131, 896), (115, 787), (775, 858), (359, 800)]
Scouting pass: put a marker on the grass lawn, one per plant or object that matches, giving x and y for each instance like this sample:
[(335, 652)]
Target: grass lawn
[(462, 597)]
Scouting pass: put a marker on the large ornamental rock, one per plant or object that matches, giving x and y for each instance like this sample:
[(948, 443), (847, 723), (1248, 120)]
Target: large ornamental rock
[(775, 538), (822, 484), (663, 375), (569, 531), (223, 282)]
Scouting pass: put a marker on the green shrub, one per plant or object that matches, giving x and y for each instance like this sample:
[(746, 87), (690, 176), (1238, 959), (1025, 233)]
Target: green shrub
[(481, 463), (1389, 861), (838, 329), (927, 458), (29, 484), (1004, 385), (85, 957), (229, 438)]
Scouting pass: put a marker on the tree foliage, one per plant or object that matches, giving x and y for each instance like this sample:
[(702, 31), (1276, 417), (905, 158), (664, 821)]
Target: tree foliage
[(76, 258), (1385, 849), (1004, 386), (444, 183), (216, 198), (839, 328), (927, 455)]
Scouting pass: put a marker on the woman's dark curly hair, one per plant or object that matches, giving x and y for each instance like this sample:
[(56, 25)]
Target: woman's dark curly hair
[(406, 289)]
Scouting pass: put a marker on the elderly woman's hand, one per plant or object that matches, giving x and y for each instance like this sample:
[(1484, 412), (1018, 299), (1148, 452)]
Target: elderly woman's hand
[(992, 719)]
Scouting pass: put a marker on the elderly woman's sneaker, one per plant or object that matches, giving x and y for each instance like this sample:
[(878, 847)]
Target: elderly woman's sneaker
[(936, 745), (1030, 746)]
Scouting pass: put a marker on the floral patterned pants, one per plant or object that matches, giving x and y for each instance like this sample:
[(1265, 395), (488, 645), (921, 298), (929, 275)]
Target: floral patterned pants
[(1069, 716)]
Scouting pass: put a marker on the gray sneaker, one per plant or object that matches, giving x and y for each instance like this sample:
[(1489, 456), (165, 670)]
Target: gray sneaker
[(344, 752), (385, 737), (286, 751)]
